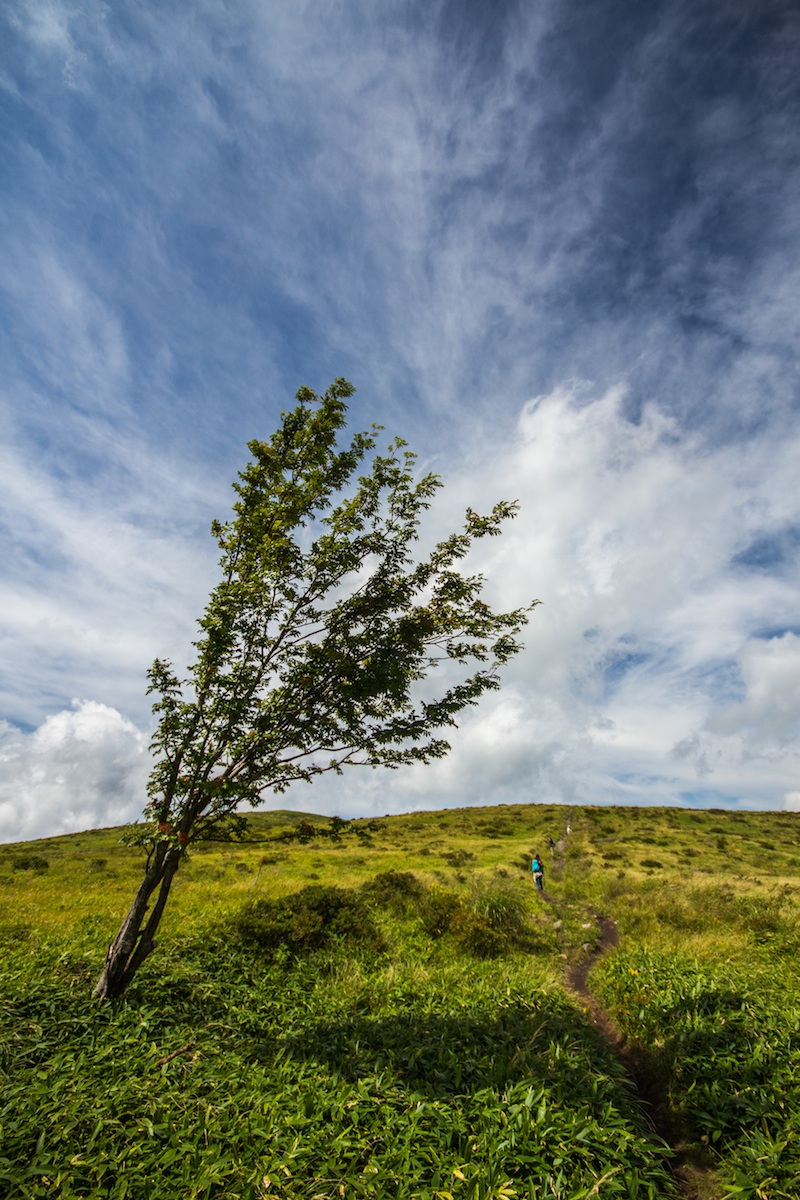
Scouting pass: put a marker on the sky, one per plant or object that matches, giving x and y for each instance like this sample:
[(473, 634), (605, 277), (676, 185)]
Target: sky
[(555, 248)]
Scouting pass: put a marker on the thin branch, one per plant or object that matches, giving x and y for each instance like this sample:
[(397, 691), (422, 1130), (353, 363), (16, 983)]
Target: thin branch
[(162, 1062)]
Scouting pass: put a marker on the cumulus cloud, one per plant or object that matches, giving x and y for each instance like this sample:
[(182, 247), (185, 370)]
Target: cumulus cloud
[(82, 768), (649, 674), (770, 711)]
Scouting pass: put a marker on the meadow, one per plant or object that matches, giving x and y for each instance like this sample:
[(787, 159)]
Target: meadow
[(386, 1014)]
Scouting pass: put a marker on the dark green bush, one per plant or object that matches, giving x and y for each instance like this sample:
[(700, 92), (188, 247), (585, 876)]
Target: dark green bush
[(492, 921), (399, 891), (495, 920), (439, 910), (478, 936), (458, 858), (309, 920), (496, 828), (29, 862), (501, 906)]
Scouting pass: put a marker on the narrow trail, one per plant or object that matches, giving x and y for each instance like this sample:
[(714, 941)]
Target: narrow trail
[(694, 1177)]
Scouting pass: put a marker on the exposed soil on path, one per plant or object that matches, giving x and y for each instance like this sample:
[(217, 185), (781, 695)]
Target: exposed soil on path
[(694, 1176)]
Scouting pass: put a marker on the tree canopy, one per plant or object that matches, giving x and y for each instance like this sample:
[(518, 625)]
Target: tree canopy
[(320, 645)]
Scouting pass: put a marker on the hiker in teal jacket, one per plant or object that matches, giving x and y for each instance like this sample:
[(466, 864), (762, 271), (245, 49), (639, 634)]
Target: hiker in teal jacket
[(538, 871)]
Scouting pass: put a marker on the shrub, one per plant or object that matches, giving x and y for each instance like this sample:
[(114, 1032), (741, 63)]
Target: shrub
[(496, 829), (495, 921), (458, 858), (29, 862), (500, 905), (478, 936), (309, 920), (439, 911), (399, 891)]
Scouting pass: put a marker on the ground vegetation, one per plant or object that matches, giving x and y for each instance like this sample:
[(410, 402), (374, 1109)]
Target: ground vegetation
[(339, 1018)]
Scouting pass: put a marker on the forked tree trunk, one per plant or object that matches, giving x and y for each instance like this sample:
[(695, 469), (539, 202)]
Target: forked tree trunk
[(132, 944)]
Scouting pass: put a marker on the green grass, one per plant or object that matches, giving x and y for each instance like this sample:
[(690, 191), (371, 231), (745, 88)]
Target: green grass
[(385, 1016)]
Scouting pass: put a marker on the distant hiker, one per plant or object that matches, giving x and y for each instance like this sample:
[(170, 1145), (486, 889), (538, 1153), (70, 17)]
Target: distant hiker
[(538, 872), (569, 828), (552, 846)]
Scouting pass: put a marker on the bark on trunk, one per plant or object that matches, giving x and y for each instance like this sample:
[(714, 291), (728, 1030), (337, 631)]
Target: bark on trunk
[(132, 944)]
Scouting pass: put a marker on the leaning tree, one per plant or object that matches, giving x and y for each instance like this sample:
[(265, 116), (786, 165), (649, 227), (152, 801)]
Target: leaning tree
[(314, 645)]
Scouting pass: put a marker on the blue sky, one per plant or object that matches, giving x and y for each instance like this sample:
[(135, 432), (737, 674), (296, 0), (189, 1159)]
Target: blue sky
[(554, 246)]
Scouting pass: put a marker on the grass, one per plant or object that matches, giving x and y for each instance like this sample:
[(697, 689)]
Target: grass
[(385, 1016)]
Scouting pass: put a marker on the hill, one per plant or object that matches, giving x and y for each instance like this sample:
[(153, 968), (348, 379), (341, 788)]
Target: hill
[(387, 1014)]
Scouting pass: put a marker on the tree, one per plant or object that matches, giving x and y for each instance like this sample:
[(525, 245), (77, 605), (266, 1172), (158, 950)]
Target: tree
[(314, 645)]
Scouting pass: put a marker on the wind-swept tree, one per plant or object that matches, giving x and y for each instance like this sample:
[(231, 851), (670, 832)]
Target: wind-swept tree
[(314, 645)]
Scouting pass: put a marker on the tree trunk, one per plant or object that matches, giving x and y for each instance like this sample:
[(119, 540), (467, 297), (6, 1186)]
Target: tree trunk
[(132, 944)]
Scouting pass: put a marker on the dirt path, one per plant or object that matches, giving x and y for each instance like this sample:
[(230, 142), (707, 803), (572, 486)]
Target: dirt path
[(695, 1178)]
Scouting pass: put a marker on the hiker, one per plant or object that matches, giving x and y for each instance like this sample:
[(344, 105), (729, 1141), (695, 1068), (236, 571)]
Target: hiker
[(538, 872), (552, 846)]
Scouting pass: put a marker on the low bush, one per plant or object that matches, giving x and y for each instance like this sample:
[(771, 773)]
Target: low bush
[(458, 858), (308, 920), (439, 910), (29, 862), (501, 906), (492, 920), (399, 891)]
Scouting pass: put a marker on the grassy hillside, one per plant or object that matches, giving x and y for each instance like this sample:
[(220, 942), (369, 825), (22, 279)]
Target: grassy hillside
[(408, 1034)]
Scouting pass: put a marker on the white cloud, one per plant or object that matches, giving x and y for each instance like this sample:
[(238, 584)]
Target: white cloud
[(630, 688), (769, 715), (81, 769), (100, 577)]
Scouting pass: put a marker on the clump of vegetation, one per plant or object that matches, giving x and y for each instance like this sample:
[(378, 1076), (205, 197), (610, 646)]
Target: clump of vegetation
[(458, 858), (502, 905), (490, 921), (29, 862), (308, 920), (719, 1043), (449, 1058), (439, 911), (399, 891), (497, 829)]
